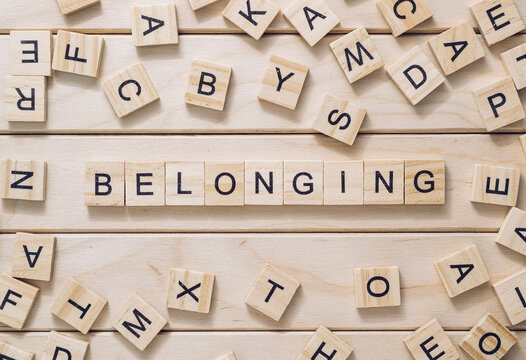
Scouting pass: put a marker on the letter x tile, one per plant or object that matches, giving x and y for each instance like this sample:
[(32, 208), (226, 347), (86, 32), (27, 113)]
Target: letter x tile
[(190, 290)]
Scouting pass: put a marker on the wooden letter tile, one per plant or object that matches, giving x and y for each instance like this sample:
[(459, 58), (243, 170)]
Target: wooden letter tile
[(415, 75), (60, 346), (145, 184), (138, 322), (488, 339), (198, 4), (457, 48), (339, 119), (229, 356), (9, 352), (23, 180), (16, 301), (431, 342), (252, 16), (497, 19), (523, 143), (263, 182), (33, 256), (499, 104), (514, 61), (312, 18), (377, 286), (208, 85), (357, 54), (404, 15), (78, 53), (303, 182), (30, 53), (225, 183), (25, 98), (272, 292), (70, 6), (104, 183), (425, 182), (283, 82), (154, 25), (383, 182), (512, 233), (512, 294), (78, 306), (185, 183), (343, 183), (325, 345), (130, 90), (190, 290), (495, 185), (462, 271)]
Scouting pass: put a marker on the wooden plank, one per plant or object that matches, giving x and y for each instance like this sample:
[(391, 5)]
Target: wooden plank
[(114, 16), (64, 208), (141, 263), (451, 108)]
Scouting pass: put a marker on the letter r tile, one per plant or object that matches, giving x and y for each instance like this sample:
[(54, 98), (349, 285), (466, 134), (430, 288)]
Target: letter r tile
[(25, 98)]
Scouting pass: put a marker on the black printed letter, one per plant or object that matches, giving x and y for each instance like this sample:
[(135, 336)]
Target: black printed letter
[(121, 87), (410, 78), (251, 13), (495, 106), (99, 184), (315, 14), (209, 83)]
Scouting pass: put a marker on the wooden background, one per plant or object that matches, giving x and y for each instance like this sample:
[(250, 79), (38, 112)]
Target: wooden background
[(117, 251)]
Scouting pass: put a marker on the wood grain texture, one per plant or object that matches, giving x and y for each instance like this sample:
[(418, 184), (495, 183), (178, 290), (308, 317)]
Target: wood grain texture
[(64, 208), (113, 16), (451, 108), (116, 265)]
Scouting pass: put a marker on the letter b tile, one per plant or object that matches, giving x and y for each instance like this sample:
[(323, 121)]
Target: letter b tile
[(208, 85), (325, 345), (495, 185)]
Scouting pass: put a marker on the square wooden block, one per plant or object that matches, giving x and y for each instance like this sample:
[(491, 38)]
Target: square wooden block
[(60, 346), (511, 292), (33, 256), (10, 352), (78, 306), (190, 290), (130, 90), (229, 356), (497, 19), (78, 53), (343, 183), (383, 182), (514, 62), (30, 53), (303, 182), (495, 185), (431, 342), (104, 183), (357, 54), (488, 339), (283, 82), (512, 233), (25, 98), (145, 183), (499, 104), (208, 85), (402, 16), (23, 180), (224, 183), (457, 48), (339, 119), (325, 344), (272, 292), (462, 271), (154, 25), (425, 182), (252, 16), (415, 75), (377, 286), (198, 4), (185, 183), (17, 301), (138, 322), (313, 19), (70, 6), (263, 182)]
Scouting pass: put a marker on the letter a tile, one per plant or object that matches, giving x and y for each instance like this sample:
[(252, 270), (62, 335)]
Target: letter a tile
[(377, 286), (511, 292), (60, 346), (138, 322), (497, 19), (208, 85), (325, 345), (272, 292), (495, 185), (252, 16), (512, 233), (431, 342), (404, 15), (23, 180), (10, 352), (154, 25), (33, 256), (78, 53), (190, 290), (16, 301), (25, 98)]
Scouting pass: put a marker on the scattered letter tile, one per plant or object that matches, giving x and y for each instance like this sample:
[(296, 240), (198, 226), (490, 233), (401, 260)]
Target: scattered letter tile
[(224, 183), (383, 182), (252, 16), (425, 182), (25, 98), (303, 182), (229, 356), (325, 345), (154, 25), (78, 53), (495, 185), (185, 183), (512, 294), (104, 183), (70, 6), (208, 85), (145, 183), (9, 352), (404, 15), (512, 233), (60, 346), (497, 19), (198, 4), (30, 53), (343, 183), (16, 301), (431, 342), (377, 286), (514, 61), (190, 290), (23, 180), (33, 256), (263, 182)]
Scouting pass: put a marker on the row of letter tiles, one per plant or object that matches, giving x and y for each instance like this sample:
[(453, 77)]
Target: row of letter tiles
[(265, 183)]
